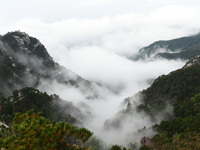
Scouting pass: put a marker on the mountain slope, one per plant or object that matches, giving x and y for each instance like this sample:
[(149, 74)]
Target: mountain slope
[(26, 62), (32, 131), (164, 99), (180, 48), (52, 107), (14, 75), (172, 89)]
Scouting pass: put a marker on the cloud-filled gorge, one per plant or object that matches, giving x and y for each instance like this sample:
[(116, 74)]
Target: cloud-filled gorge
[(99, 56), (98, 49), (115, 85)]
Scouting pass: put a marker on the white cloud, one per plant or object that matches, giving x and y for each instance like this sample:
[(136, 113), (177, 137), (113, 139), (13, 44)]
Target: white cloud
[(95, 48), (91, 3), (92, 39), (122, 34)]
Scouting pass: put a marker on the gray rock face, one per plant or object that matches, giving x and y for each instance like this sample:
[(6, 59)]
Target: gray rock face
[(194, 61), (24, 61)]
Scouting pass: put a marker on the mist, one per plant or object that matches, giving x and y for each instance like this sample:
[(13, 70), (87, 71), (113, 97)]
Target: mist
[(96, 45), (118, 84)]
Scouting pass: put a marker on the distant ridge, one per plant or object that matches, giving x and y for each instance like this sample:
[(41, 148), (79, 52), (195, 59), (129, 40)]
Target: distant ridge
[(180, 48)]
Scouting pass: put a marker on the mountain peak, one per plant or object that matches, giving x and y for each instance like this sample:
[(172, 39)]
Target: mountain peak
[(19, 40), (22, 43), (24, 61)]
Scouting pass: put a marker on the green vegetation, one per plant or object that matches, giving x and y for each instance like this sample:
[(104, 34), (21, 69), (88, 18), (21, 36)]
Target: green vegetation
[(32, 131), (30, 98), (175, 89), (95, 144), (181, 89), (182, 131), (36, 130), (117, 147), (187, 141), (144, 148)]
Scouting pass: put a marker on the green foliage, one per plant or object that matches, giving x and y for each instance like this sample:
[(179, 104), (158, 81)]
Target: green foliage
[(174, 89), (189, 107), (116, 147), (30, 98), (181, 89), (144, 148), (144, 108), (183, 131), (185, 141), (32, 131), (96, 144), (188, 120)]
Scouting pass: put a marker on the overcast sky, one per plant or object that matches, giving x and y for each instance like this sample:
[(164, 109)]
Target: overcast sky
[(91, 37), (57, 10), (39, 17)]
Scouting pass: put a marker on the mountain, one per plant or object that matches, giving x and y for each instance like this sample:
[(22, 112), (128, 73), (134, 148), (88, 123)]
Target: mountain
[(52, 106), (193, 61), (175, 100), (172, 89), (36, 128), (180, 48), (25, 62), (26, 65), (169, 108)]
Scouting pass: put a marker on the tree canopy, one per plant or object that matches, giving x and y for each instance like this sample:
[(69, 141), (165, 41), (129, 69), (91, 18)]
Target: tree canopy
[(32, 131)]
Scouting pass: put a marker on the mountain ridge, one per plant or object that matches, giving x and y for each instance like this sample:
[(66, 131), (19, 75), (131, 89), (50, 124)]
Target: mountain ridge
[(178, 48), (31, 59), (168, 98)]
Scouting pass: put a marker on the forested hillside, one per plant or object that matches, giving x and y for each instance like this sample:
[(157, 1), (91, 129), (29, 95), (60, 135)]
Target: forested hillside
[(32, 131), (180, 89), (174, 98), (52, 106), (180, 48), (38, 128), (25, 65)]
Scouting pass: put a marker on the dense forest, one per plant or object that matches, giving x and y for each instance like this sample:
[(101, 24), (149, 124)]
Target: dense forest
[(181, 89), (32, 116)]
